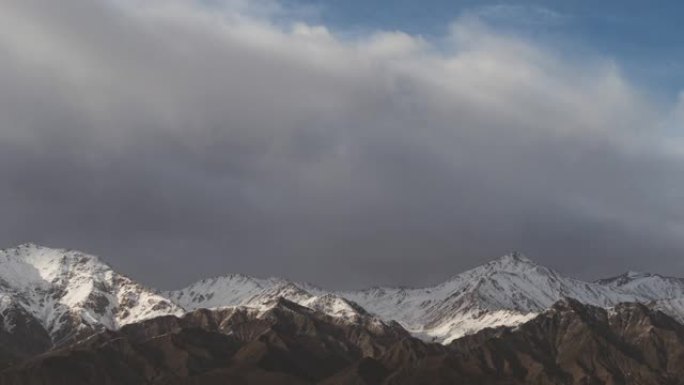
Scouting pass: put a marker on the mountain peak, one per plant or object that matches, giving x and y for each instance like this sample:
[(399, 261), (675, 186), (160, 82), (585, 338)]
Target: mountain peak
[(512, 262), (34, 253), (30, 263), (32, 247), (71, 293), (514, 257), (29, 245)]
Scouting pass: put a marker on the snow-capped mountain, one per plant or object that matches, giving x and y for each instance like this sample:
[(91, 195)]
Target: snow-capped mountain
[(646, 285), (70, 293), (240, 290), (229, 290), (506, 291)]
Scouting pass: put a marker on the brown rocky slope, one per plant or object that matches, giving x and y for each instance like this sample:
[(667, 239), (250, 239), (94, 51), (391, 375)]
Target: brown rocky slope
[(569, 344)]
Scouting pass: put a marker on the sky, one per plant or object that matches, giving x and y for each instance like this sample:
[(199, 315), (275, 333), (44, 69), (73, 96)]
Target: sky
[(646, 37), (344, 143)]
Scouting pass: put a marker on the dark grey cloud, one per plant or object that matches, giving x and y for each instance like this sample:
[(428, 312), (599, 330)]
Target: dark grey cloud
[(179, 142)]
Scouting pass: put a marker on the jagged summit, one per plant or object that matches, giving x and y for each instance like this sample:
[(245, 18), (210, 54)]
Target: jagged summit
[(27, 246), (37, 251), (512, 263), (515, 257), (508, 262)]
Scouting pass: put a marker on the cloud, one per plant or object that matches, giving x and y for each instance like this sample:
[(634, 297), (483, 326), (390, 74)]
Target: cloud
[(180, 140), (520, 15)]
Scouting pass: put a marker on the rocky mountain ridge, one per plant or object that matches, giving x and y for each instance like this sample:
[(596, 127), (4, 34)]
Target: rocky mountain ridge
[(504, 292), (570, 344), (60, 296)]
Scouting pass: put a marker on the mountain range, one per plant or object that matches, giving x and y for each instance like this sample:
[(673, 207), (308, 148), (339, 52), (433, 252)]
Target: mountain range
[(56, 303), (504, 292)]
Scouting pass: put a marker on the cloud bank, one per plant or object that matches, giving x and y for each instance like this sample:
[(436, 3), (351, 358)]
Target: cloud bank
[(182, 139)]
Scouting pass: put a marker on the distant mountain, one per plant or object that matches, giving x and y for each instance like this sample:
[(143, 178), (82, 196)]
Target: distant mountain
[(240, 290), (52, 297), (505, 292), (646, 286)]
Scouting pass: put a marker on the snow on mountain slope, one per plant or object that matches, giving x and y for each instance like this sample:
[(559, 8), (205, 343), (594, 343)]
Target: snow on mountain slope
[(329, 304), (659, 292), (239, 290), (646, 285), (507, 291), (70, 292), (229, 290), (674, 307), (504, 292)]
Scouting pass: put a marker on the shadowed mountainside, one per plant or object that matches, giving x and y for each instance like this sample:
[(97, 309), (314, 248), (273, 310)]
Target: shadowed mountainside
[(570, 343)]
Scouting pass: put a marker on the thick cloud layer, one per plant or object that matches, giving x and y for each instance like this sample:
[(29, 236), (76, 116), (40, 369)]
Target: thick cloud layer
[(180, 140)]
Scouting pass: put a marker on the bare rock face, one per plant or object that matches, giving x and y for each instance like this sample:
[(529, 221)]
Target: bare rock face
[(570, 343)]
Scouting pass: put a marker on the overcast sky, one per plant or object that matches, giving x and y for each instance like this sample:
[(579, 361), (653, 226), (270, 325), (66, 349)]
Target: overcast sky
[(180, 139)]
